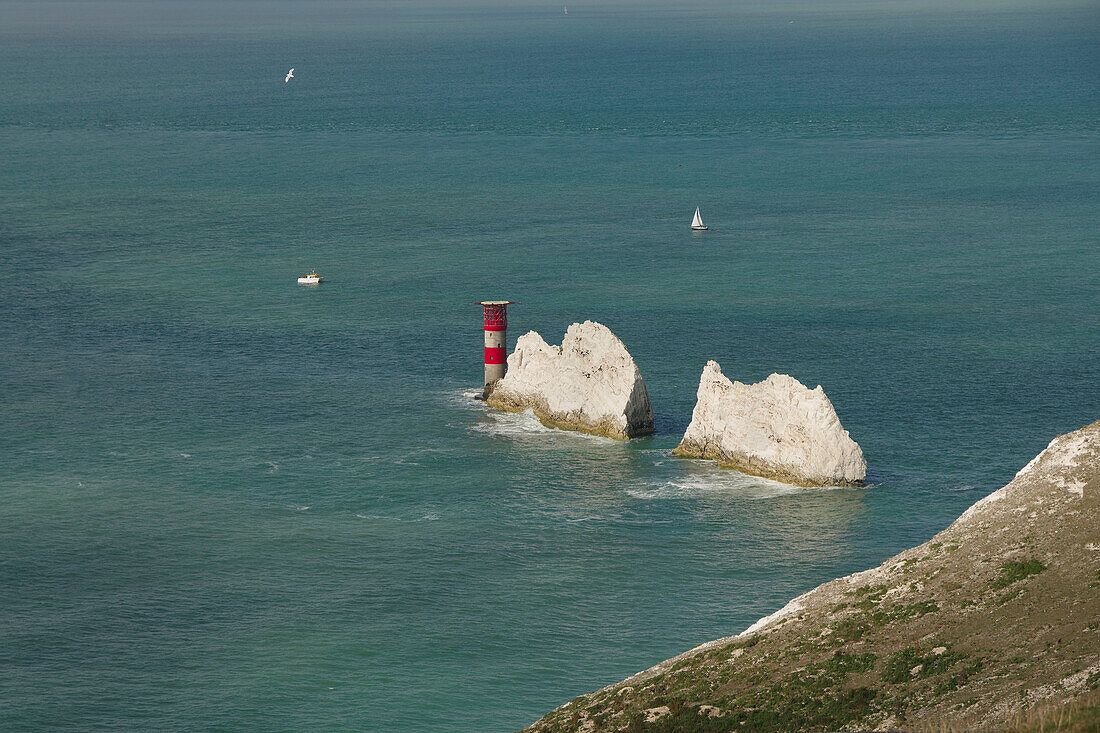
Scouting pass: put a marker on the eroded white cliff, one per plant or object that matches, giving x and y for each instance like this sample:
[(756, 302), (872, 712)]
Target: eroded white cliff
[(777, 428), (588, 383)]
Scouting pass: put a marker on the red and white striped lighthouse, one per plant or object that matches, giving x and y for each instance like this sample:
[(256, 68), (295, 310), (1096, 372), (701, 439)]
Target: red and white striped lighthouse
[(496, 326)]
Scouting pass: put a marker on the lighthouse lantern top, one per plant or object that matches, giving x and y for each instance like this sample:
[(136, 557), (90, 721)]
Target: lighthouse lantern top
[(496, 314)]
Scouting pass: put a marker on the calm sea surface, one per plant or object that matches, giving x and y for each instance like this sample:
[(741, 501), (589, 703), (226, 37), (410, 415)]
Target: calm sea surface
[(230, 502)]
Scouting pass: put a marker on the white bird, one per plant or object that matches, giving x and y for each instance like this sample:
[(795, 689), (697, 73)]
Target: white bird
[(289, 76)]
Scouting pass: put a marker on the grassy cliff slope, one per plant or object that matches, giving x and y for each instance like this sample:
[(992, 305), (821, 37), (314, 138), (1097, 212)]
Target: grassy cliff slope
[(996, 616)]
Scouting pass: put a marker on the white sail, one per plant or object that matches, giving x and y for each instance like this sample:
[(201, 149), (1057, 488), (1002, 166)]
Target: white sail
[(697, 222)]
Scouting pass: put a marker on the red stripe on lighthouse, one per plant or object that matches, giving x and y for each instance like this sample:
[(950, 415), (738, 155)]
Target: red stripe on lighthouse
[(494, 355)]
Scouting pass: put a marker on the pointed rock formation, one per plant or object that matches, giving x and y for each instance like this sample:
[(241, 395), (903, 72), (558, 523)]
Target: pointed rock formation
[(777, 429), (588, 383)]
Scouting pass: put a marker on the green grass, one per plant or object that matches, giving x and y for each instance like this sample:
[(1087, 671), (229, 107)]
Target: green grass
[(873, 615), (817, 696), (795, 714), (1008, 596), (899, 666), (1014, 571), (873, 592), (959, 680)]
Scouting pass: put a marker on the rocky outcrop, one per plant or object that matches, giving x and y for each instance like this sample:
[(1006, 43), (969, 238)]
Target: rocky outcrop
[(777, 428), (990, 625), (589, 383)]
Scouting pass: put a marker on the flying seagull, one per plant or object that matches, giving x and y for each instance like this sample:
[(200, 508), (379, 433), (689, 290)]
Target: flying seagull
[(289, 76)]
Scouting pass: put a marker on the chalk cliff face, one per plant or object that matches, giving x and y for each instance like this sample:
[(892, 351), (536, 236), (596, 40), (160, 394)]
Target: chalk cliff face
[(588, 383), (777, 428)]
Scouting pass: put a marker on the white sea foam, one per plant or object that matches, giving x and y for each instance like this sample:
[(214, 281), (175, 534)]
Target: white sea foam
[(710, 483), (463, 397), (525, 424), (426, 517), (501, 423), (429, 449), (513, 423)]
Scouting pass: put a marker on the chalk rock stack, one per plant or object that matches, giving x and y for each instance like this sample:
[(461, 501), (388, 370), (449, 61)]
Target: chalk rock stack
[(588, 383), (777, 429)]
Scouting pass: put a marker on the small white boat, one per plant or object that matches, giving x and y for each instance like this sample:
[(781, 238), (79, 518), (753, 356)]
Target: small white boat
[(311, 279), (697, 223)]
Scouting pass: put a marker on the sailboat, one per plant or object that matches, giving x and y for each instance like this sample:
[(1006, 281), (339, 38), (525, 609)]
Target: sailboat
[(565, 9), (697, 223)]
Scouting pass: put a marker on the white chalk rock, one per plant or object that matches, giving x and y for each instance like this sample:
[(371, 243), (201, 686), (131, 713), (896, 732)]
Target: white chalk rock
[(777, 428), (588, 383)]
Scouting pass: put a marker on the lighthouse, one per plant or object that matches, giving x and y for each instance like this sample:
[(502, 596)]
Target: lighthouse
[(495, 323)]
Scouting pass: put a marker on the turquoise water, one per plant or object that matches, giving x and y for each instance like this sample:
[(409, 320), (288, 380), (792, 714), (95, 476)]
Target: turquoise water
[(230, 502)]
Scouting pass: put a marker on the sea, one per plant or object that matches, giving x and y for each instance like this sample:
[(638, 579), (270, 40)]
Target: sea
[(230, 502)]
